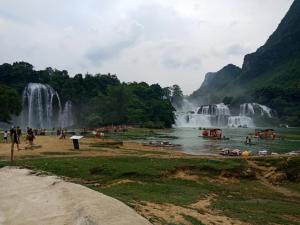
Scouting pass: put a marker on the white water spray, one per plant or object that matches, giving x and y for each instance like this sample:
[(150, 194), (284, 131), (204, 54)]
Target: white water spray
[(219, 115), (42, 107)]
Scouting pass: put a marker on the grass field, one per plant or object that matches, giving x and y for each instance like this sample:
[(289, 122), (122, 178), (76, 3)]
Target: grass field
[(169, 187), (235, 193)]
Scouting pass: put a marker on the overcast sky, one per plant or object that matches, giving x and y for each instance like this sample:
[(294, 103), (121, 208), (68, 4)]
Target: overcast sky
[(157, 41)]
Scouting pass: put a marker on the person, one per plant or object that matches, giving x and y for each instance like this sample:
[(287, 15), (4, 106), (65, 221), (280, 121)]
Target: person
[(30, 136), (19, 133), (205, 133), (63, 134), (14, 140), (248, 140), (5, 135)]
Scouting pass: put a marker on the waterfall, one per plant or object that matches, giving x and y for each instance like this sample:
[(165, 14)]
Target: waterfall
[(240, 121), (42, 107), (67, 115), (219, 115), (192, 119), (205, 116), (253, 109)]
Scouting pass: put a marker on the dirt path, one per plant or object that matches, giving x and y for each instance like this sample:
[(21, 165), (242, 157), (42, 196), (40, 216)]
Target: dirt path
[(29, 199), (173, 214), (263, 172)]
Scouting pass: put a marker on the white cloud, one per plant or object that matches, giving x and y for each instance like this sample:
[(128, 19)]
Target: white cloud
[(171, 41)]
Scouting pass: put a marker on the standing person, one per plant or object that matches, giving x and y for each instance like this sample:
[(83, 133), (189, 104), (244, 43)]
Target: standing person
[(19, 133), (247, 140), (63, 134), (5, 135), (30, 136), (14, 140), (27, 134)]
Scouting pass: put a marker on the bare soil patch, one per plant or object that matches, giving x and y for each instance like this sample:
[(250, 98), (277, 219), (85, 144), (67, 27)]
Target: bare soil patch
[(169, 213)]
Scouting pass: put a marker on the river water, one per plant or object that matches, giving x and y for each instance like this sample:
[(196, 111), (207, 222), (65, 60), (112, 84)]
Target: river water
[(191, 143)]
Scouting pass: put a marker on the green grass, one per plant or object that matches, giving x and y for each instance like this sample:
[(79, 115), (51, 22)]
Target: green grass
[(133, 167), (60, 153), (174, 191), (107, 144), (246, 199), (252, 202), (192, 220), (133, 134)]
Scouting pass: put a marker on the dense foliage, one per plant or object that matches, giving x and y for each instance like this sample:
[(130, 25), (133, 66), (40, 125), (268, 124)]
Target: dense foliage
[(269, 76), (99, 99), (10, 103)]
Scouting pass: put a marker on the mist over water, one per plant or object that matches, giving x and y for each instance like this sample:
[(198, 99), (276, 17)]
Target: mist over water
[(219, 115)]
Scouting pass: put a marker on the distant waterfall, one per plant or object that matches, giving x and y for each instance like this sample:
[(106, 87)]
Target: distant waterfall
[(207, 116), (251, 109), (67, 115), (240, 121), (42, 107), (219, 115)]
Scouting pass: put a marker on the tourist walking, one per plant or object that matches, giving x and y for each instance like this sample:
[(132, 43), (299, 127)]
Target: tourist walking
[(14, 140), (19, 133), (63, 134), (30, 136)]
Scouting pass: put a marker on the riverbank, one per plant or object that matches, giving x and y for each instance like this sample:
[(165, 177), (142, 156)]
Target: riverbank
[(169, 187)]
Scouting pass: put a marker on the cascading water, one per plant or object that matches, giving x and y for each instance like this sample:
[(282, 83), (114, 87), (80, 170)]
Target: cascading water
[(247, 112), (206, 116), (42, 107), (219, 115), (240, 121), (191, 119), (67, 115), (251, 109)]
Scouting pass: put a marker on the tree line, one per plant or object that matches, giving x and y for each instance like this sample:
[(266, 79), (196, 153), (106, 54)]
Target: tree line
[(99, 99)]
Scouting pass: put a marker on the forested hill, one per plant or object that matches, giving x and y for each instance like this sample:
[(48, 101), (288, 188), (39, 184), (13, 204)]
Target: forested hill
[(215, 81), (270, 76), (99, 99)]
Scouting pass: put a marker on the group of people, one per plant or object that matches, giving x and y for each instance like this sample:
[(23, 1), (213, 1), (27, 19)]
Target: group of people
[(214, 133), (61, 133), (15, 134), (266, 134)]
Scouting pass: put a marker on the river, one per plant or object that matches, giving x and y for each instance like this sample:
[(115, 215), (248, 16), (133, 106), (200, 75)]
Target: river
[(191, 143)]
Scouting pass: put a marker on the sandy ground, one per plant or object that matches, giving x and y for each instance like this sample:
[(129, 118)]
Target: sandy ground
[(52, 146), (47, 200)]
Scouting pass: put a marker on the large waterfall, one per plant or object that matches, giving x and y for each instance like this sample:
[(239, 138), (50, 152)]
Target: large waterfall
[(219, 115), (42, 108)]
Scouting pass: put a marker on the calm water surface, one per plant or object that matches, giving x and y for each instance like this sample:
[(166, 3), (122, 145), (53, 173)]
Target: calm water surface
[(191, 143)]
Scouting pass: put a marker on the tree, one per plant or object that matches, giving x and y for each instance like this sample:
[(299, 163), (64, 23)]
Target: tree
[(177, 96), (97, 99), (10, 103)]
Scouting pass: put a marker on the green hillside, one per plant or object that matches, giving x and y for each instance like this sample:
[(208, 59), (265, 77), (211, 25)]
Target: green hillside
[(270, 76)]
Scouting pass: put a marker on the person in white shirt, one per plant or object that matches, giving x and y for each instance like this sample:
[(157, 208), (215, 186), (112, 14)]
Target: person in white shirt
[(5, 135)]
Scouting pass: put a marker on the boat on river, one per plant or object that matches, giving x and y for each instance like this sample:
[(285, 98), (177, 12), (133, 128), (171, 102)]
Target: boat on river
[(213, 133)]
